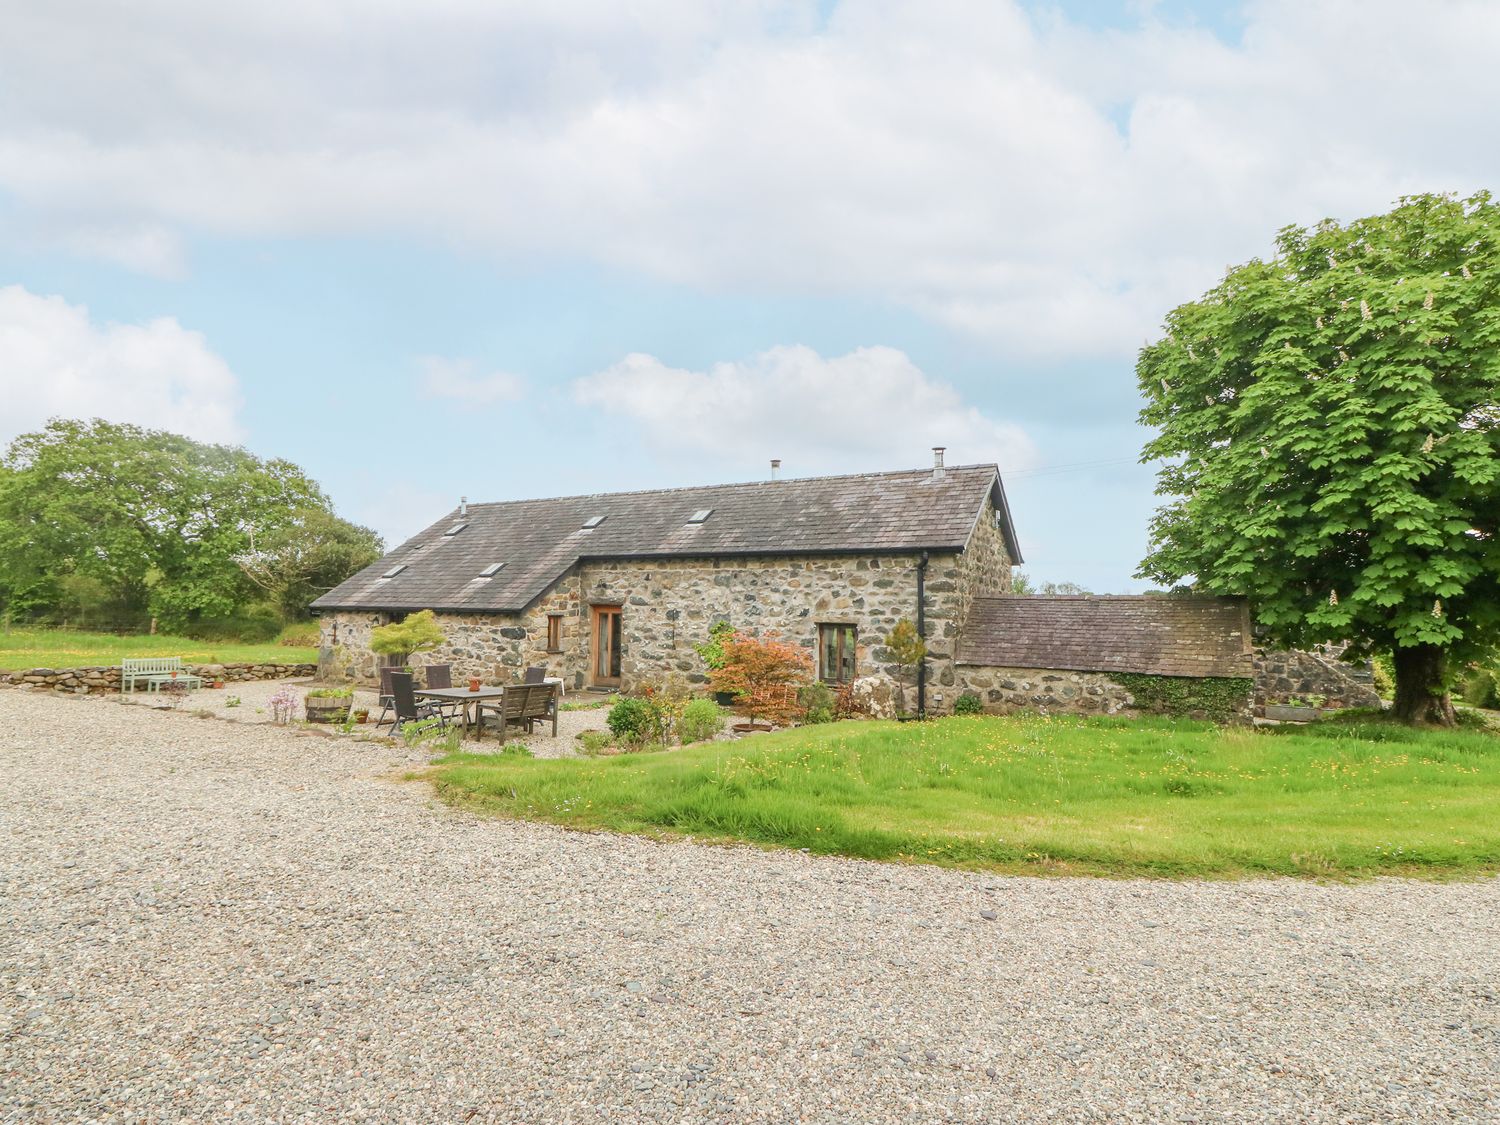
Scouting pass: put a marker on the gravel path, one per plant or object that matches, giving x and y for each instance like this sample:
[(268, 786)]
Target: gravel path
[(211, 922), (254, 699)]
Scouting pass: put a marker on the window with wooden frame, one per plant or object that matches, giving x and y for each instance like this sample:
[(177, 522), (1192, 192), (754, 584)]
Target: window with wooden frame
[(554, 632), (836, 653)]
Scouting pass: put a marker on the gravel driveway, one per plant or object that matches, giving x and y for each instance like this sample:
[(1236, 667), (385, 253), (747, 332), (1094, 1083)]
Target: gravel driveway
[(214, 922)]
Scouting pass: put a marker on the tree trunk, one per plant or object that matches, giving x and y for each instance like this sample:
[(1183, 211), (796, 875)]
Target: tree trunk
[(1422, 687)]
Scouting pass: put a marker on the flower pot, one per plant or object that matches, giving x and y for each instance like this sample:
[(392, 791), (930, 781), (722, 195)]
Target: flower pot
[(361, 716), (327, 710), (473, 683)]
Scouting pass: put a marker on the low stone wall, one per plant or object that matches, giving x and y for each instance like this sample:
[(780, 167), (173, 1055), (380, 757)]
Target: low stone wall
[(1007, 690), (1319, 677), (103, 680)]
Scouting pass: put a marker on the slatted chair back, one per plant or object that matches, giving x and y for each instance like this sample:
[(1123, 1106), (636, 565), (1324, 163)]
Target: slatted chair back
[(385, 680), (525, 703), (404, 698)]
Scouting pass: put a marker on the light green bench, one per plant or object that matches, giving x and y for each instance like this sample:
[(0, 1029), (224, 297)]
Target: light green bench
[(155, 671)]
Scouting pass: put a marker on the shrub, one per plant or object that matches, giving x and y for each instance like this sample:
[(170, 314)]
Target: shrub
[(1481, 688), (763, 674), (592, 743), (331, 693), (712, 650), (418, 633), (630, 719), (701, 720), (968, 704), (818, 703)]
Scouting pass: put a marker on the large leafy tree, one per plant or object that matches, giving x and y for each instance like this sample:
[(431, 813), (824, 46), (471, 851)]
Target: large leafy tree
[(305, 553), (141, 522), (1329, 424)]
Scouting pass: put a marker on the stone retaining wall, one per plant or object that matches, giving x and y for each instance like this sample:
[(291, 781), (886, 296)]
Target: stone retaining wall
[(1318, 676), (103, 680), (1008, 690)]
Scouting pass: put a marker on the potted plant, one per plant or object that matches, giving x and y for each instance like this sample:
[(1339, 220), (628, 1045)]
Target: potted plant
[(400, 640), (712, 652), (327, 705), (474, 684), (763, 675), (361, 714)]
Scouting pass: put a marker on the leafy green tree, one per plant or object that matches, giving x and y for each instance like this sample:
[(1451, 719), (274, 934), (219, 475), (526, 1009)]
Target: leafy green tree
[(305, 553), (146, 523), (1022, 583), (1330, 425)]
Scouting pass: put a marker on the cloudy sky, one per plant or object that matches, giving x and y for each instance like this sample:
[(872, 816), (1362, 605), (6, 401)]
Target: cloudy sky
[(510, 248)]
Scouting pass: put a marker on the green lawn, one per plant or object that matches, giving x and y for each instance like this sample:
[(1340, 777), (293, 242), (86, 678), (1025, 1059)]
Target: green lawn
[(1037, 795), (58, 648)]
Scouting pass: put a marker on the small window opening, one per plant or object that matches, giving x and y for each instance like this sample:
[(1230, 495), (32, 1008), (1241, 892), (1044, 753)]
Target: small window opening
[(492, 570), (456, 528), (701, 515), (395, 570), (836, 646), (554, 632), (593, 522)]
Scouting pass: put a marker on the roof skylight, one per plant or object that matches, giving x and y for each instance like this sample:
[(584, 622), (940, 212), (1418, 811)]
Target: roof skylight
[(701, 515), (593, 522), (456, 528), (395, 570), (492, 570)]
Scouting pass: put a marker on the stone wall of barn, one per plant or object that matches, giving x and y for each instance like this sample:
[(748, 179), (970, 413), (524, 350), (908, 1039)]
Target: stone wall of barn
[(984, 569), (668, 607)]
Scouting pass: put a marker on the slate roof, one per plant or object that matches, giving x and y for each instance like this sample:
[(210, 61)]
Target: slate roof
[(539, 541), (1161, 635)]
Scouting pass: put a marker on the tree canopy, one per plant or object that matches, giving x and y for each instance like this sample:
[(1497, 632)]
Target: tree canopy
[(125, 524), (1331, 434)]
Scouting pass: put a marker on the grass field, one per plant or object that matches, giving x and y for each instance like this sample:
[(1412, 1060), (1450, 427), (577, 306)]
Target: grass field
[(58, 648), (1038, 795)]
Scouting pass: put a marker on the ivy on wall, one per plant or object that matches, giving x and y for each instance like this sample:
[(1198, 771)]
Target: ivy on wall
[(1221, 699)]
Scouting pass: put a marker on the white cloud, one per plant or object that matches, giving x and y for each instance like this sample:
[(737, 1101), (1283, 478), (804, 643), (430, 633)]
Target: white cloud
[(955, 156), (461, 379), (870, 409), (56, 362)]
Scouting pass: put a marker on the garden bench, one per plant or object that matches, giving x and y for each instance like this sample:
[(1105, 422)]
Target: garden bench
[(155, 671), (522, 703)]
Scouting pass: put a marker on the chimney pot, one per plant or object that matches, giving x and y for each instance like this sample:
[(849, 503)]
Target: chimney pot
[(937, 461), (463, 505), (775, 468)]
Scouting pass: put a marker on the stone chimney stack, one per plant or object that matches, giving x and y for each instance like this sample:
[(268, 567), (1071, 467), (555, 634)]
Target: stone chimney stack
[(775, 468), (938, 472)]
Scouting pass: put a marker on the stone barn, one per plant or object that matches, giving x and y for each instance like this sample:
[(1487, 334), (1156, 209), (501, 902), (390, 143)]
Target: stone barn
[(612, 589)]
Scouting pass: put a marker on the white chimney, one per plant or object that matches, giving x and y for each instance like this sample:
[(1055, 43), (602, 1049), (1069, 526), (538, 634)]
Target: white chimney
[(937, 462), (463, 505), (775, 468)]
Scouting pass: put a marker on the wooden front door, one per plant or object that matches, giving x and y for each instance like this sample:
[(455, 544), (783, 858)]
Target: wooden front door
[(606, 646)]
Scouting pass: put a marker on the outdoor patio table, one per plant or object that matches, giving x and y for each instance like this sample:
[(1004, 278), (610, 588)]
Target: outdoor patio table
[(463, 696)]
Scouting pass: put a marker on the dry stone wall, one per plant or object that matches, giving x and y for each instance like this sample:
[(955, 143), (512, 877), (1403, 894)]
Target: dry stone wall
[(98, 679), (1318, 677), (1006, 691)]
